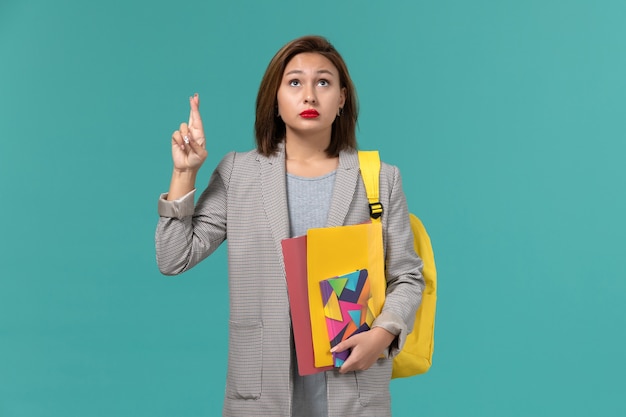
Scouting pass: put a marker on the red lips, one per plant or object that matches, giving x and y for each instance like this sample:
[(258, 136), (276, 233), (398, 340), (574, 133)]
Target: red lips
[(310, 114)]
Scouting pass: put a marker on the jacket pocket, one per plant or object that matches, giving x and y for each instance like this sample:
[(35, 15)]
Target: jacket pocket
[(245, 354), (373, 384)]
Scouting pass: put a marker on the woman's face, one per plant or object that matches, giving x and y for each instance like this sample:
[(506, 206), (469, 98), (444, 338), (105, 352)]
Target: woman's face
[(310, 95)]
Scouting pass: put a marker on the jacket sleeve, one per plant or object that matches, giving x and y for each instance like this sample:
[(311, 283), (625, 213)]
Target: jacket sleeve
[(405, 282), (186, 235)]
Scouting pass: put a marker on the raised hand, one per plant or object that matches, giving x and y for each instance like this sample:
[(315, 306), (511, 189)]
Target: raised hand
[(188, 142)]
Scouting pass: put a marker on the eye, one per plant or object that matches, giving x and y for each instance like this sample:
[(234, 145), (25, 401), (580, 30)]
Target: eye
[(294, 83), (323, 83)]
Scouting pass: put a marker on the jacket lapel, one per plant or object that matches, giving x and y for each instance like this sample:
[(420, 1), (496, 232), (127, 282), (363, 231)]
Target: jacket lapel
[(274, 194), (344, 189)]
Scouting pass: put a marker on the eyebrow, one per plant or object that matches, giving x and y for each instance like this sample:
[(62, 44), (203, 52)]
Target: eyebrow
[(322, 71)]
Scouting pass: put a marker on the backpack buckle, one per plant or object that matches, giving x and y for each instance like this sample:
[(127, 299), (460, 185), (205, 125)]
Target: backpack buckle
[(376, 210)]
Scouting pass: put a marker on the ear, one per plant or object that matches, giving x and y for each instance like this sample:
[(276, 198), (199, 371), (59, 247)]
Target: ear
[(342, 97)]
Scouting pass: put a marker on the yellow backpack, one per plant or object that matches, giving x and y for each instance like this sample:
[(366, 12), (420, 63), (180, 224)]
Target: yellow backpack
[(417, 354)]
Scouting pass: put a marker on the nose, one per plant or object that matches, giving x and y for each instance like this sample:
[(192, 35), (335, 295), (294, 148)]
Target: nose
[(309, 95)]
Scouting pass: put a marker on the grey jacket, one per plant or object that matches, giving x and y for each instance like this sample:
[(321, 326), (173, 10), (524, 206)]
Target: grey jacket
[(245, 203)]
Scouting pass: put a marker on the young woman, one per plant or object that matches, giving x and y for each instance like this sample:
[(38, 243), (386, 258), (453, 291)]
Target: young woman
[(304, 173)]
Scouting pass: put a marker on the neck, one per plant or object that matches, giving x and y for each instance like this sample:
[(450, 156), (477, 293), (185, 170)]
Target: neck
[(308, 158), (310, 147)]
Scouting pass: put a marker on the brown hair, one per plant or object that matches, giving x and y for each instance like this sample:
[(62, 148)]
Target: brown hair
[(270, 129)]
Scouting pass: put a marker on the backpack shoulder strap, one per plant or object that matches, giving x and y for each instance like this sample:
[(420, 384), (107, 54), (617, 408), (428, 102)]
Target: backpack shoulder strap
[(369, 162)]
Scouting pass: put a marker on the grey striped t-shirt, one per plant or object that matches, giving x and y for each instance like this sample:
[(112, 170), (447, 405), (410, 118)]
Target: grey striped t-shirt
[(308, 201)]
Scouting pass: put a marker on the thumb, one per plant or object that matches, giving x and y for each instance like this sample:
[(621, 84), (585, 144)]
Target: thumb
[(197, 145)]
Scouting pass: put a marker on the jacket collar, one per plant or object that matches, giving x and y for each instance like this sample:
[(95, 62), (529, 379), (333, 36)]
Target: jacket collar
[(344, 189)]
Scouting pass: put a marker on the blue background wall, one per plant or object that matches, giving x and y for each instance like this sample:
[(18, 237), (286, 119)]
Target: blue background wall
[(505, 117)]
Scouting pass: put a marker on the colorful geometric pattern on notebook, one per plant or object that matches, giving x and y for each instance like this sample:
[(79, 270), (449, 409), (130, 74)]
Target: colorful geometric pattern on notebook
[(346, 308)]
